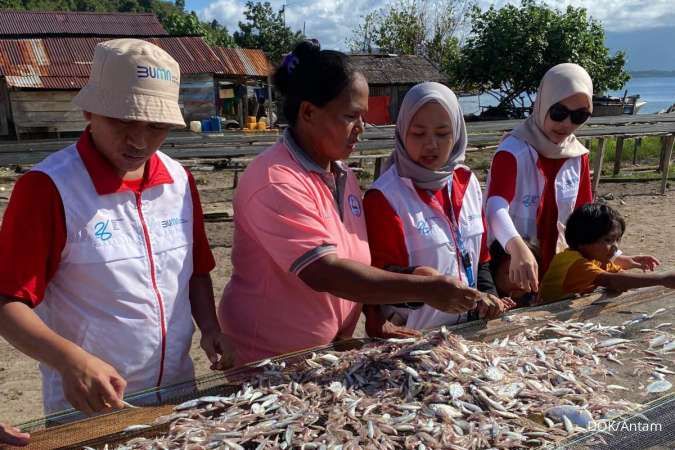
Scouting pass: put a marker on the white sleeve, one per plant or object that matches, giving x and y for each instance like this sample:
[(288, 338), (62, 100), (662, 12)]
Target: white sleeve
[(499, 221)]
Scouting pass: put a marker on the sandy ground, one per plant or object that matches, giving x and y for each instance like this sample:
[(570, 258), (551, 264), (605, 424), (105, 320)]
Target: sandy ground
[(651, 227)]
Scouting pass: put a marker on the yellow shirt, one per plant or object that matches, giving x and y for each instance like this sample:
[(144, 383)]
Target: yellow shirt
[(571, 273)]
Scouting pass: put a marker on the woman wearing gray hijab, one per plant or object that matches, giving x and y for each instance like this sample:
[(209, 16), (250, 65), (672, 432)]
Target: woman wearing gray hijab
[(540, 174), (425, 211)]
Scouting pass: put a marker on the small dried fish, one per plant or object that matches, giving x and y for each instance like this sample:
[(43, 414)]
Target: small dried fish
[(659, 386)]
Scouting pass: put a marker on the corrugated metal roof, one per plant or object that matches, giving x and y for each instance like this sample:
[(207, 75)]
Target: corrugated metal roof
[(44, 23), (244, 62), (65, 63)]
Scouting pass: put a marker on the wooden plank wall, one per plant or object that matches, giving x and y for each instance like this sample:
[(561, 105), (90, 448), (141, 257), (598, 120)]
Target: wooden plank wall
[(45, 111), (197, 96), (4, 109)]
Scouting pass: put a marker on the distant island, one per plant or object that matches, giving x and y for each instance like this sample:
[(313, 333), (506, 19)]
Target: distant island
[(652, 73)]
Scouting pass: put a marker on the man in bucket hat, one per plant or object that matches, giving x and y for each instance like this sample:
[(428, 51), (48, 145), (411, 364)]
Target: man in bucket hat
[(104, 255)]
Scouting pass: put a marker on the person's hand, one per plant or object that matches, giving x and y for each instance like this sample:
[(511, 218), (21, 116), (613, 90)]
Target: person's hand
[(426, 271), (92, 385), (13, 436), (644, 262), (491, 307), (669, 280), (450, 295), (378, 327), (218, 349), (523, 268), (536, 300)]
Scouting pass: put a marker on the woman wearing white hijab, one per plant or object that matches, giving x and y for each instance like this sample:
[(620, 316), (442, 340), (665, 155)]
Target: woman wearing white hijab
[(426, 210), (540, 174)]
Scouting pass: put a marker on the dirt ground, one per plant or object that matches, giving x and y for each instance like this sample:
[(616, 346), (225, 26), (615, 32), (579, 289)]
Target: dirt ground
[(651, 227)]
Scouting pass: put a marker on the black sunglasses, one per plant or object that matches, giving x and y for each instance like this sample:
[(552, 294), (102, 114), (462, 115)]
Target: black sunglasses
[(559, 113)]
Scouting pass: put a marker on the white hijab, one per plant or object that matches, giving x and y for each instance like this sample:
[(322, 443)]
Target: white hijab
[(417, 97), (560, 82)]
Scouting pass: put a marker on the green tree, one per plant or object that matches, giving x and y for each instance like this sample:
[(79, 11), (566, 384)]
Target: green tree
[(510, 49), (11, 4), (179, 24), (266, 29), (414, 27), (402, 29), (217, 34)]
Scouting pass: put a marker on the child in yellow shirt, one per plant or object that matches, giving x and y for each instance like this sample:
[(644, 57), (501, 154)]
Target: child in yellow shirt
[(593, 233)]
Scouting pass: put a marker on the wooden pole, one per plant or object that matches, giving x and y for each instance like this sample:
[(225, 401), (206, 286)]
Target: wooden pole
[(636, 149), (269, 100), (597, 165), (664, 144), (618, 154), (378, 168), (666, 162)]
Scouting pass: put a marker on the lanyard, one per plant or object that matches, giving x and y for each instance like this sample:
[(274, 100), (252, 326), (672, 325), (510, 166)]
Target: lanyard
[(463, 256)]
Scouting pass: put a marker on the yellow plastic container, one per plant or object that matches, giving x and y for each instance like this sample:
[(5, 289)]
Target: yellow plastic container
[(262, 125)]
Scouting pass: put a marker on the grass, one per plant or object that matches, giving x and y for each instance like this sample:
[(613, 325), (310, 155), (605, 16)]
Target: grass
[(649, 151), (647, 155)]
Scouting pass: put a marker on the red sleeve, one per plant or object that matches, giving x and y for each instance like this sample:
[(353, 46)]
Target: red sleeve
[(484, 249), (585, 194), (503, 172), (32, 238), (202, 257), (385, 231)]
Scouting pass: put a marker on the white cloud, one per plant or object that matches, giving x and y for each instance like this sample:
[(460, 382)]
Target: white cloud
[(331, 21), (617, 15), (226, 12)]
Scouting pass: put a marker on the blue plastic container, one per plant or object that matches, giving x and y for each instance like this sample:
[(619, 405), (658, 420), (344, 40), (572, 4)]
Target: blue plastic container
[(206, 125), (215, 124)]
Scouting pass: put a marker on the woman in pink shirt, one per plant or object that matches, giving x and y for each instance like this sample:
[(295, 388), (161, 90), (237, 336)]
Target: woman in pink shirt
[(301, 262)]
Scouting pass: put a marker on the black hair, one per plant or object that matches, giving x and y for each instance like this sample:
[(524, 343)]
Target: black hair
[(590, 223), (498, 254), (313, 75)]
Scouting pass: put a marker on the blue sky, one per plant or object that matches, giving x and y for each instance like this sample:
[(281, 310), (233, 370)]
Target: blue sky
[(644, 28)]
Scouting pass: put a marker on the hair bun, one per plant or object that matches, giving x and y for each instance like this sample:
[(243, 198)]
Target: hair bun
[(307, 50)]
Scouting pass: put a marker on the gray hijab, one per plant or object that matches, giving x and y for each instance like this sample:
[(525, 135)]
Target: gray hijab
[(417, 97)]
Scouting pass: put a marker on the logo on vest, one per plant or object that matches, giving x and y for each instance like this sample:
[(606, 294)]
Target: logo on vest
[(530, 200), (354, 205), (569, 184), (167, 223), (423, 227), (101, 230)]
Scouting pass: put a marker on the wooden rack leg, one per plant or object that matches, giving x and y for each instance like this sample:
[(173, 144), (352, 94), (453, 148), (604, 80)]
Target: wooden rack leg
[(597, 165)]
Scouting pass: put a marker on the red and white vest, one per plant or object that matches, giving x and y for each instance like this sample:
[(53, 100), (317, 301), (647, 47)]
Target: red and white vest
[(121, 291), (429, 239), (530, 187)]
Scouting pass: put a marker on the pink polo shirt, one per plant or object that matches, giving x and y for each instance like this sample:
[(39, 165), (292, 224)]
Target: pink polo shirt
[(289, 212)]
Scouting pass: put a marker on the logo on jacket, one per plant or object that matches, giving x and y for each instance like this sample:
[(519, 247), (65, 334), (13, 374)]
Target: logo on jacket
[(354, 205), (530, 200), (173, 221), (423, 227), (101, 230)]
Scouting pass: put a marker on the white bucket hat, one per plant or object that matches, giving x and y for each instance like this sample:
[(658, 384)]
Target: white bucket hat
[(134, 80)]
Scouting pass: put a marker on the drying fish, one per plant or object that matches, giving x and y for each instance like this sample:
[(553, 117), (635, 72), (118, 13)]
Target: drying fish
[(577, 416), (438, 391), (659, 386)]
